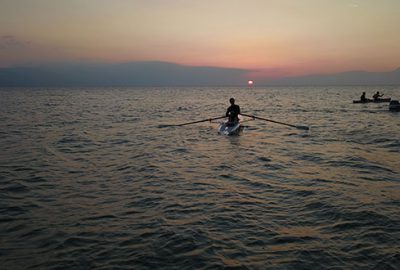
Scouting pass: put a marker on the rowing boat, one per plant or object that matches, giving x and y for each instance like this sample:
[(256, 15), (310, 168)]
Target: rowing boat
[(379, 100), (230, 128)]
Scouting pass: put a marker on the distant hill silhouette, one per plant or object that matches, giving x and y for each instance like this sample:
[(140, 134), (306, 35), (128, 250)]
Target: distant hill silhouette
[(344, 78), (126, 74), (170, 74)]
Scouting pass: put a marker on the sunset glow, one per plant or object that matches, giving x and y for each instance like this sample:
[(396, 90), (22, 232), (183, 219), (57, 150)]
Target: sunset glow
[(273, 38)]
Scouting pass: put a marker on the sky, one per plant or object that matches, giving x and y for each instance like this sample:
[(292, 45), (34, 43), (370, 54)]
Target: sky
[(271, 37)]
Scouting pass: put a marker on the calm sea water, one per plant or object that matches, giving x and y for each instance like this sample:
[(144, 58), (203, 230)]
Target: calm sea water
[(89, 180)]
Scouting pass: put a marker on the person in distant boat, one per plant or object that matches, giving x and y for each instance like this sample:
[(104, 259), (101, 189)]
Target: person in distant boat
[(233, 111), (363, 98), (376, 96)]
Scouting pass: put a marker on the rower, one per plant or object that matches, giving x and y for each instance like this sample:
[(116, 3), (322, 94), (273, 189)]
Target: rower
[(363, 98), (376, 96), (233, 112)]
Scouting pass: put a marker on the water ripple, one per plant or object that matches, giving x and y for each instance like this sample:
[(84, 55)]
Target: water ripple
[(88, 180)]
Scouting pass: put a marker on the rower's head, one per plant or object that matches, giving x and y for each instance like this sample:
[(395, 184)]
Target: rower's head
[(232, 101)]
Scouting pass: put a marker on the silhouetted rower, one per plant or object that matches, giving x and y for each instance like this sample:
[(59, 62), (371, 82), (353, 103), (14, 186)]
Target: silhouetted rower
[(363, 98), (233, 111)]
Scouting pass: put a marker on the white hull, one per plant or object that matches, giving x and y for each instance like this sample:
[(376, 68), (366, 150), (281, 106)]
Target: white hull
[(227, 128)]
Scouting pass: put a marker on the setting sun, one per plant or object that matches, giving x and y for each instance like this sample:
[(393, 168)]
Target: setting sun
[(250, 82)]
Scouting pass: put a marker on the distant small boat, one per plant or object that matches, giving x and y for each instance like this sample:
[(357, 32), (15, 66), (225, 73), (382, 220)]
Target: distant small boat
[(394, 106), (229, 128), (379, 100)]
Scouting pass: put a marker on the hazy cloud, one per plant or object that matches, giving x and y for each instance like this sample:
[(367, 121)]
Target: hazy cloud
[(15, 51), (354, 4), (11, 42)]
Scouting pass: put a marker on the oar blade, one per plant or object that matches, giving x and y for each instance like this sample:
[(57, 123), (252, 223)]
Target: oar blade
[(164, 126), (303, 127)]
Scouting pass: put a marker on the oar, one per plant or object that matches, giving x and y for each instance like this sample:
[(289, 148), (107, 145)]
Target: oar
[(273, 121), (194, 122)]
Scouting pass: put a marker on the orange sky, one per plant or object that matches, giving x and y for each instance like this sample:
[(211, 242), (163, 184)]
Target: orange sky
[(274, 37)]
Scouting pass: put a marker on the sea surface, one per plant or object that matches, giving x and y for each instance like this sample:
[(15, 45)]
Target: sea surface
[(90, 178)]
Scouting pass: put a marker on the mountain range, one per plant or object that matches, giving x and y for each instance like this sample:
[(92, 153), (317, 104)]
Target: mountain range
[(344, 78), (170, 74)]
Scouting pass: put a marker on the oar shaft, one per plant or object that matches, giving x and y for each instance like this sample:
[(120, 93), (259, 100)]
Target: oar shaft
[(273, 121), (269, 120), (195, 122)]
